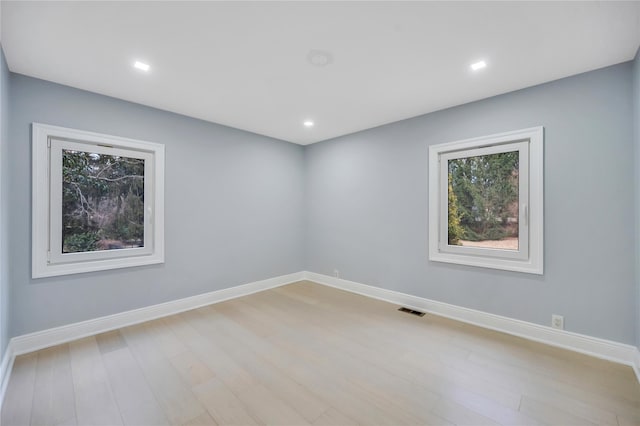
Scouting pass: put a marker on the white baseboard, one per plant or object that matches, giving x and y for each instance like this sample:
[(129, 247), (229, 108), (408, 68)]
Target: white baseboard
[(5, 371), (636, 364), (54, 336), (600, 348), (66, 333), (605, 349)]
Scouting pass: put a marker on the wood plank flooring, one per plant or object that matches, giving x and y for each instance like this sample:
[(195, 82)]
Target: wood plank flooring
[(305, 354)]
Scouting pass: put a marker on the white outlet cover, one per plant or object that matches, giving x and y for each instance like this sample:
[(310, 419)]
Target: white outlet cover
[(557, 321)]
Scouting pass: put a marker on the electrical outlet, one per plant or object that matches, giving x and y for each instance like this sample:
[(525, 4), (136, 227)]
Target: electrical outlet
[(557, 321), (336, 273)]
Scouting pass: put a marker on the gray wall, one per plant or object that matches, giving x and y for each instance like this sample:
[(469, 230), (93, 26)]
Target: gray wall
[(233, 204), (367, 206), (4, 205), (636, 136), (242, 207)]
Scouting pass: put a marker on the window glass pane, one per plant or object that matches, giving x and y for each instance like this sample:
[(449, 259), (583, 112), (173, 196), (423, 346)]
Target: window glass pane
[(483, 201), (102, 202)]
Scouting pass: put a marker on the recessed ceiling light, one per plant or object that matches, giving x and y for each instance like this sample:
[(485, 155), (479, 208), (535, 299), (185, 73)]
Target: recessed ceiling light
[(308, 123), (141, 66), (478, 65)]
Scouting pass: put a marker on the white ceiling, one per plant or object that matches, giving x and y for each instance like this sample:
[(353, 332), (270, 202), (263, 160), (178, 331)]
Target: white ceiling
[(245, 64)]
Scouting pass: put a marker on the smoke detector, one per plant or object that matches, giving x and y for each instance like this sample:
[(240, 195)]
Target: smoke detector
[(319, 58)]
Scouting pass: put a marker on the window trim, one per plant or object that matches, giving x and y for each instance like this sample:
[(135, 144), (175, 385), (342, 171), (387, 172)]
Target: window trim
[(531, 211), (46, 262)]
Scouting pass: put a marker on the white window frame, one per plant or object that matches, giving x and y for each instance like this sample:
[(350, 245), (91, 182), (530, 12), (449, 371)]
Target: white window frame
[(47, 257), (529, 257)]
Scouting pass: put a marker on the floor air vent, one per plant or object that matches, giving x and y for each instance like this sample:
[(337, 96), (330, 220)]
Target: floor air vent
[(412, 312)]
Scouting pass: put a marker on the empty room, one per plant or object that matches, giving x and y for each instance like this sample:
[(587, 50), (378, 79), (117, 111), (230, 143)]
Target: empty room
[(319, 213)]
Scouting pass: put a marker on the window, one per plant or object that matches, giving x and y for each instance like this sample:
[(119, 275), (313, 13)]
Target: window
[(97, 202), (486, 203)]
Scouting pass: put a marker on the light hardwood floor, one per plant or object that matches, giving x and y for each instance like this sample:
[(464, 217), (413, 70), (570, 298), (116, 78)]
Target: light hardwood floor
[(309, 354)]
